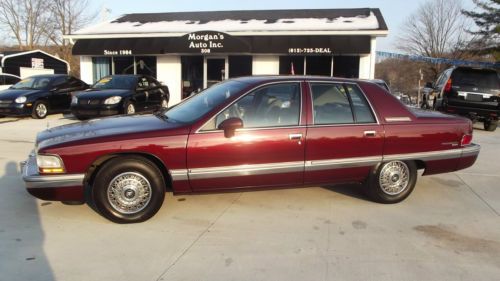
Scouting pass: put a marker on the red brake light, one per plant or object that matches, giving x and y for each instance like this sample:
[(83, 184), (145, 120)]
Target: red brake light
[(466, 140), (447, 87)]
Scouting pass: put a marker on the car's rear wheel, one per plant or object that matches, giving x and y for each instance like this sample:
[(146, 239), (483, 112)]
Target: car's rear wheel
[(490, 125), (40, 110), (128, 189), (129, 108), (391, 182)]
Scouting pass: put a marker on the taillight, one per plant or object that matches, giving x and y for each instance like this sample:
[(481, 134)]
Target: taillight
[(447, 87), (466, 140)]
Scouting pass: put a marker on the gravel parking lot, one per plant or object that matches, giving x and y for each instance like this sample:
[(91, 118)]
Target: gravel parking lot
[(448, 229)]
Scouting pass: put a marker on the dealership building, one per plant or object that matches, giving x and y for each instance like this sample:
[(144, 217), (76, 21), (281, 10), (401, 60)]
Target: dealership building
[(193, 50)]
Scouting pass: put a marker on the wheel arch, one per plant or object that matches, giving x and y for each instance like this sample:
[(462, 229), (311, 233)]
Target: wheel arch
[(99, 162)]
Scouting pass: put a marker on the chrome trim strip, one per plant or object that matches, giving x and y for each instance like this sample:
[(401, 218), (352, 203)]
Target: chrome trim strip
[(318, 165), (246, 170), (179, 175), (471, 150), (427, 156), (398, 119)]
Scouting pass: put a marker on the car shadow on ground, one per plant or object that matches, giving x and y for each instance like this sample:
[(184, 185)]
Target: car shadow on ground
[(22, 255), (351, 190)]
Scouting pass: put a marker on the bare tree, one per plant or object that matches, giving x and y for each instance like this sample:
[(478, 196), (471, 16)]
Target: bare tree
[(437, 29), (25, 19)]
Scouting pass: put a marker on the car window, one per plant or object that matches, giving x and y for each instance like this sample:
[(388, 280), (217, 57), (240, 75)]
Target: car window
[(116, 82), (59, 82), (478, 78), (35, 82), (75, 83), (200, 104), (2, 80), (270, 106), (362, 110), (331, 104)]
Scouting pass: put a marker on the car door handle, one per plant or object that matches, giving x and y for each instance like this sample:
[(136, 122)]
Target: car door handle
[(295, 136), (370, 133)]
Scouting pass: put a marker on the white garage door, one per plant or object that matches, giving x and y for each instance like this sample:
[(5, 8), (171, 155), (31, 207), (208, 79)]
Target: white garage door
[(26, 71)]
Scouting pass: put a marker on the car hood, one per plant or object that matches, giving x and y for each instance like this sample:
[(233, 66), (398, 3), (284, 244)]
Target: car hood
[(12, 94), (103, 94), (107, 127)]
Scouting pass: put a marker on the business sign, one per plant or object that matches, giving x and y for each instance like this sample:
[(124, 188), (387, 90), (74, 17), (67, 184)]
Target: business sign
[(207, 42), (37, 63)]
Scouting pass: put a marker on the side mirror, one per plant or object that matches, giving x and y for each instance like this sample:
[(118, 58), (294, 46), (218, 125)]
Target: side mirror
[(429, 85), (230, 125)]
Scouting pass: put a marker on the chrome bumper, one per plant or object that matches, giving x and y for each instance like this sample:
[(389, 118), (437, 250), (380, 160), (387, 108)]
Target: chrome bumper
[(33, 179), (471, 150)]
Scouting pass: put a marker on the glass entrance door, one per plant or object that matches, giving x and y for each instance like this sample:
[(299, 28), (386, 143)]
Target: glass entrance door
[(216, 71)]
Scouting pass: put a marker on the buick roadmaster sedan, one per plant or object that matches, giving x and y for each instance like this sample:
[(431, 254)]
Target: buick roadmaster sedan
[(251, 132)]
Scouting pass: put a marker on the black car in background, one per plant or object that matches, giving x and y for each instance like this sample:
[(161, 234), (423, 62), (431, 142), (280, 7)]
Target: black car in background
[(40, 95), (467, 91), (7, 80), (120, 94)]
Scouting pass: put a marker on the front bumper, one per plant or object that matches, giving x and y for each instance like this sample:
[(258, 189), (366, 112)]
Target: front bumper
[(15, 109), (66, 187), (94, 111)]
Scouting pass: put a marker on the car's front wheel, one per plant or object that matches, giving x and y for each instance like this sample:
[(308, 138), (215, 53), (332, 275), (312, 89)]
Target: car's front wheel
[(40, 110), (391, 182), (129, 108), (128, 189), (164, 103)]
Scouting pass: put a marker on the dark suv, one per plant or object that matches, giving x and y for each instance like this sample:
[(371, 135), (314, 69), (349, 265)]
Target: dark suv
[(471, 92)]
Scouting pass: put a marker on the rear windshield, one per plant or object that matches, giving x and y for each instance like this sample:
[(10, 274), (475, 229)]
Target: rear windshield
[(476, 78)]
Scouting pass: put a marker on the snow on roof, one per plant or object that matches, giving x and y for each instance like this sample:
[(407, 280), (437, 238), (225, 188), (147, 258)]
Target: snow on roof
[(242, 21)]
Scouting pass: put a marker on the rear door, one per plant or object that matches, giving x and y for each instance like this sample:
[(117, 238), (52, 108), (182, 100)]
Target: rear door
[(344, 139), (154, 94)]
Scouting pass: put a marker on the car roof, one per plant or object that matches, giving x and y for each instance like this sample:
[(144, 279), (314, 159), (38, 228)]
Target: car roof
[(48, 75), (277, 78)]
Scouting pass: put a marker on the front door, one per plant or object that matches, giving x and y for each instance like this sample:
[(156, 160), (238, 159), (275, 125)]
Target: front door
[(344, 140), (215, 71), (268, 151)]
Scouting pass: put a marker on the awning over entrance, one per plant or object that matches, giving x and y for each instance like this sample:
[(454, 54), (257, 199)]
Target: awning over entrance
[(205, 42)]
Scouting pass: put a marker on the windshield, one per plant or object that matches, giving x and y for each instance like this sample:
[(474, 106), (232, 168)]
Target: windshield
[(116, 82), (197, 106), (37, 83)]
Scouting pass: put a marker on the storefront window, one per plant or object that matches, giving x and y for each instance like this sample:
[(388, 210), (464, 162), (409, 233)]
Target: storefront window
[(240, 66), (124, 65), (319, 65), (146, 65), (292, 65), (192, 74), (346, 66), (101, 67)]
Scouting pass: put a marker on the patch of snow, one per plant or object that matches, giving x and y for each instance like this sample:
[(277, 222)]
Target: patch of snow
[(287, 24)]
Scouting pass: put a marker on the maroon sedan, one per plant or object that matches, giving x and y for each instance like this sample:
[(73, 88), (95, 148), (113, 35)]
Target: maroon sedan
[(250, 132)]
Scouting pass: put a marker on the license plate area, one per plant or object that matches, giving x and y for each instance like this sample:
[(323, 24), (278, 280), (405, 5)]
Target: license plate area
[(474, 97)]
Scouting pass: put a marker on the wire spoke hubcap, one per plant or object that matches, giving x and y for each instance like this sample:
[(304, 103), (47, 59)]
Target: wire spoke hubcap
[(394, 177), (164, 103), (129, 193)]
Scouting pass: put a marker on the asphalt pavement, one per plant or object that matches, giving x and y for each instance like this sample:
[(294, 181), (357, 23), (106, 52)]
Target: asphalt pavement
[(448, 229)]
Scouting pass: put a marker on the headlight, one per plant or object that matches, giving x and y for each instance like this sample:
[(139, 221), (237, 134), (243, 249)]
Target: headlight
[(49, 164), (21, 100), (74, 100), (113, 100)]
